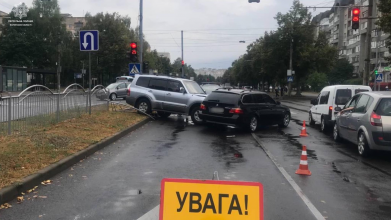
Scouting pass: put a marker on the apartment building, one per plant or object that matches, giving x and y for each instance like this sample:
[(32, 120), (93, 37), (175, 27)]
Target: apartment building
[(336, 23), (2, 15), (73, 24)]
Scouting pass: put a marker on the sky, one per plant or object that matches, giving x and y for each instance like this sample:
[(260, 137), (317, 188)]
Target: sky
[(212, 29)]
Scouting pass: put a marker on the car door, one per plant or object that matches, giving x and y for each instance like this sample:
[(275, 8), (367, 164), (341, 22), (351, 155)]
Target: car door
[(157, 90), (121, 90), (275, 112), (345, 115), (322, 107), (175, 100), (355, 121), (314, 108), (263, 109), (249, 107)]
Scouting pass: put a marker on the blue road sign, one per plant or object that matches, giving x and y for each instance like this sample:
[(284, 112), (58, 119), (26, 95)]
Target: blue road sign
[(379, 77), (78, 75), (89, 40), (134, 68), (290, 78)]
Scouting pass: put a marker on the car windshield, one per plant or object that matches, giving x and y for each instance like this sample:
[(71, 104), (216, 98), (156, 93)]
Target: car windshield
[(384, 108), (112, 86), (193, 87)]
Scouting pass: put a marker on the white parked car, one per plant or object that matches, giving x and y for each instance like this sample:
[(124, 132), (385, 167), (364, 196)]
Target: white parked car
[(330, 97)]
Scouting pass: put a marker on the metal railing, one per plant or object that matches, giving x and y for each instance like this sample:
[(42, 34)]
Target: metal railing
[(37, 106)]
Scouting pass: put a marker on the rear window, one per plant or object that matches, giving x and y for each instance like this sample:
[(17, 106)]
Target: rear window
[(361, 90), (384, 107), (143, 81), (343, 96), (223, 97), (324, 98)]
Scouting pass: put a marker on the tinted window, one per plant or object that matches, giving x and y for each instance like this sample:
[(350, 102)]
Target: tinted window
[(384, 107), (268, 99), (247, 99), (361, 104), (174, 86), (324, 98), (361, 90), (343, 96), (223, 97), (158, 84), (353, 102), (258, 98), (143, 81)]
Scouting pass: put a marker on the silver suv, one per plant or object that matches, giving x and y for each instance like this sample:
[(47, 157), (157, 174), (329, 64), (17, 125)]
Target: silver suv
[(166, 95), (366, 121)]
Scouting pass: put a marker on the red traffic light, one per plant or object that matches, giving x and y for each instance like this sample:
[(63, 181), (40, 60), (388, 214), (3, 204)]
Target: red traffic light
[(356, 11), (183, 62), (133, 45), (134, 52), (355, 18)]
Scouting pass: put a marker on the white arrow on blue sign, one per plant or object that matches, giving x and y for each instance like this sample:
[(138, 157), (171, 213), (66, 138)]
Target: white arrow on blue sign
[(290, 78), (89, 40), (379, 77), (134, 68)]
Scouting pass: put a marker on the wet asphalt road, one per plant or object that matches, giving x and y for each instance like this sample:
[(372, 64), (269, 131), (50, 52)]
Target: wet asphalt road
[(122, 181)]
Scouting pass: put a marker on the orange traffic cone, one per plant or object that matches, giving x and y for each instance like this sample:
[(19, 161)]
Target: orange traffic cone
[(303, 168), (303, 131)]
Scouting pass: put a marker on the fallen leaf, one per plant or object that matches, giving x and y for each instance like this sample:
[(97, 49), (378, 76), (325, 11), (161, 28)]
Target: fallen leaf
[(70, 175), (22, 193), (19, 199), (35, 196), (40, 216), (323, 202), (42, 197), (5, 206), (84, 176)]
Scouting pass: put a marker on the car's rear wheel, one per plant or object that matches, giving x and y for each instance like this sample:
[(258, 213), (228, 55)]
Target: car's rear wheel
[(143, 105), (164, 114), (113, 96), (253, 125), (310, 119), (323, 125), (285, 122), (195, 116), (336, 135), (362, 144)]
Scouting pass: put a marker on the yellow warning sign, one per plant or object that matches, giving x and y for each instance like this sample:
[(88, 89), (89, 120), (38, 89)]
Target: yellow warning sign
[(210, 200)]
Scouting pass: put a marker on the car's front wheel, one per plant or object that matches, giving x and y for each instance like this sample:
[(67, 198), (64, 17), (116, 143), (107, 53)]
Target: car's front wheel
[(143, 105), (253, 125), (336, 135), (285, 121), (195, 116), (113, 96), (362, 144)]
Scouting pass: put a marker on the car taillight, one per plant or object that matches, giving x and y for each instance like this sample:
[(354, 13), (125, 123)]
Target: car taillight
[(376, 119), (128, 93), (236, 111), (202, 107), (330, 108)]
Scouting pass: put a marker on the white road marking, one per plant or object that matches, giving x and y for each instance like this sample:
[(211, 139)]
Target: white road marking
[(151, 215), (296, 187)]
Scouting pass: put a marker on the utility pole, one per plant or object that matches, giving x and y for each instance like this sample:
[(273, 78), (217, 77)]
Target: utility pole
[(89, 82), (83, 73), (377, 57), (368, 41), (290, 67), (141, 36), (183, 69), (59, 68)]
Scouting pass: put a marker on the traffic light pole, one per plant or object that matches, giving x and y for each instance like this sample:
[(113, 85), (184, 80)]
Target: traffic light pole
[(141, 36), (183, 69), (377, 58), (368, 41)]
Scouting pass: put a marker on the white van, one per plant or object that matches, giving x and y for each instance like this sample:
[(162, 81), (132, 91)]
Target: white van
[(330, 97)]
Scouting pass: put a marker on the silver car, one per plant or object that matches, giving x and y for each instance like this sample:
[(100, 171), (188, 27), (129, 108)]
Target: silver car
[(366, 121), (113, 91), (166, 95)]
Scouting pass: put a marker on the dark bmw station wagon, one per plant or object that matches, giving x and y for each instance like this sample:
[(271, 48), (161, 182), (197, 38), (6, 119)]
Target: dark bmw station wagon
[(240, 108)]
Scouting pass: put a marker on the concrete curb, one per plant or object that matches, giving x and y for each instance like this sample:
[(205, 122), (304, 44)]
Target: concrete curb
[(10, 192)]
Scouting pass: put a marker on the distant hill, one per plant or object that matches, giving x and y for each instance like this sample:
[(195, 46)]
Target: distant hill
[(209, 71)]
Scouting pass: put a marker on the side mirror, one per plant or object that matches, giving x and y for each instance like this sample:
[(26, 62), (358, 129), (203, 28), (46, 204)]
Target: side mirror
[(117, 88), (278, 102), (182, 90), (314, 101), (338, 109)]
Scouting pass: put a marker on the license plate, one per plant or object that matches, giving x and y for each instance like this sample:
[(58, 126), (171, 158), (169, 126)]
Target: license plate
[(216, 110)]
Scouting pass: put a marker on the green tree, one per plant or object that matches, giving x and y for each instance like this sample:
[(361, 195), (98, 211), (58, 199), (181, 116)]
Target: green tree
[(384, 22), (341, 71), (317, 81)]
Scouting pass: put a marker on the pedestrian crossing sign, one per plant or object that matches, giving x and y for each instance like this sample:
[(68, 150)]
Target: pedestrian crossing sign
[(379, 77), (134, 68), (290, 78)]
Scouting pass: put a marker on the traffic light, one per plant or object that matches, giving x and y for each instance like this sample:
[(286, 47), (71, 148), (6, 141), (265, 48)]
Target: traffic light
[(356, 18), (183, 63), (133, 52), (145, 67), (376, 72)]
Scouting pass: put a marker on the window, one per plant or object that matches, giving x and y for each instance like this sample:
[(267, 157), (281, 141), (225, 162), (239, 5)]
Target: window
[(384, 107), (324, 98), (143, 81), (343, 96), (369, 104), (193, 87), (268, 99), (174, 86), (247, 99), (223, 97), (361, 90), (158, 84), (258, 98), (352, 102), (122, 86), (362, 104)]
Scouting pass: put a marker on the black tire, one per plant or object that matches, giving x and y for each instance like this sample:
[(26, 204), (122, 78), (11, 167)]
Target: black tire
[(253, 124), (285, 121), (194, 114), (336, 136), (113, 96), (124, 98), (311, 120), (164, 114), (362, 145), (323, 125), (145, 106)]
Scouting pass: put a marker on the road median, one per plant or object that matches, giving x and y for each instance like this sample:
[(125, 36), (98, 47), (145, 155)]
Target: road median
[(28, 159)]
